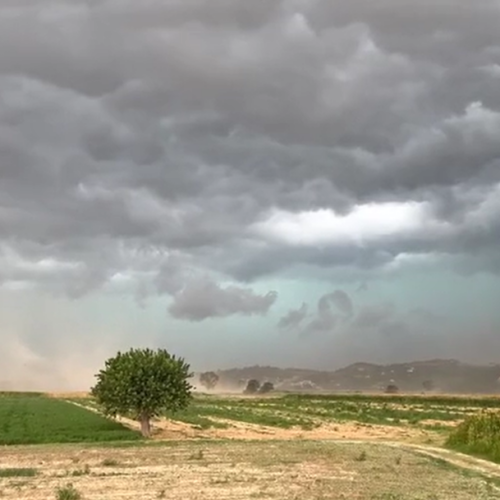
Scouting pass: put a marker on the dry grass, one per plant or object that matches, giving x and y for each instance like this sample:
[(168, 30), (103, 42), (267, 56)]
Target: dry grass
[(304, 470)]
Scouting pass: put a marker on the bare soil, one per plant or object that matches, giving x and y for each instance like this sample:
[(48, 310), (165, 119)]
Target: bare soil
[(165, 429), (305, 470)]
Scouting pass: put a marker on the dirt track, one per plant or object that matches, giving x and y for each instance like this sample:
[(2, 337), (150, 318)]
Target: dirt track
[(348, 433), (244, 470)]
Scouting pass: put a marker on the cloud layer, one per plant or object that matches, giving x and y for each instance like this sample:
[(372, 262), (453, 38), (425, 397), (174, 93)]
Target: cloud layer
[(136, 129), (189, 149)]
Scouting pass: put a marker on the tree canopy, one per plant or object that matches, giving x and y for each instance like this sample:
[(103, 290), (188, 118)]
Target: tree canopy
[(266, 387), (252, 387), (209, 379), (142, 384)]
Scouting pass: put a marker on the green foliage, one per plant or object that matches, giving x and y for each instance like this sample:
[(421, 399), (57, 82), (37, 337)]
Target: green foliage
[(266, 387), (37, 420), (205, 412), (18, 472), (392, 389), (252, 387), (307, 411), (68, 492), (11, 394), (143, 383), (192, 416), (110, 462), (209, 379), (402, 399), (478, 435)]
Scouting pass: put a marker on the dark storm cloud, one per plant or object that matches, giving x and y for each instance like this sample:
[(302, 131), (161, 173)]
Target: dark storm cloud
[(132, 131), (206, 299)]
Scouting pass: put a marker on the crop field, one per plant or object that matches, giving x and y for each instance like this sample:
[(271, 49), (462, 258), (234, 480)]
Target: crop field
[(309, 413), (31, 419), (305, 447)]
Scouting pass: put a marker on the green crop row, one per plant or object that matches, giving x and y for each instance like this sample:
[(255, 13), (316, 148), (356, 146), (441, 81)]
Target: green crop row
[(34, 420), (478, 435)]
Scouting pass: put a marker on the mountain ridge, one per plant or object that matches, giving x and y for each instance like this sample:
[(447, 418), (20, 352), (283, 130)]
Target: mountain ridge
[(433, 375)]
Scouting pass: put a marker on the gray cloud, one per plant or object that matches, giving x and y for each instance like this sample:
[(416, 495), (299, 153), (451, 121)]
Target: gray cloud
[(144, 145), (378, 331), (374, 316), (199, 120), (332, 310), (202, 300), (340, 299), (294, 317)]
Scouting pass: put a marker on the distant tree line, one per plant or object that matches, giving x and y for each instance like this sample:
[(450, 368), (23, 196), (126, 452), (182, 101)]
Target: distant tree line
[(254, 387)]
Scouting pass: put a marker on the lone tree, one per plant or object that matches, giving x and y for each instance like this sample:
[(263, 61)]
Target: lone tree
[(141, 384), (392, 389), (252, 387), (209, 380), (266, 387)]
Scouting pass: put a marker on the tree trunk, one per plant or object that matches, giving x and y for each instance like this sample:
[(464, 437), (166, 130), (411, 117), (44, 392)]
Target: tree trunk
[(145, 426)]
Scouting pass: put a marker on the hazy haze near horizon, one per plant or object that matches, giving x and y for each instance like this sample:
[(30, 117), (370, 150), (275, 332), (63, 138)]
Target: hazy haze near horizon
[(297, 183)]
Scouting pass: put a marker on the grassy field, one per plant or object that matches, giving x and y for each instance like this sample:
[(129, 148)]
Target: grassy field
[(311, 411), (305, 447), (32, 419)]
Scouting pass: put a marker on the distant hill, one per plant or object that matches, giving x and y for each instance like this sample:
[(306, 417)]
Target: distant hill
[(438, 375)]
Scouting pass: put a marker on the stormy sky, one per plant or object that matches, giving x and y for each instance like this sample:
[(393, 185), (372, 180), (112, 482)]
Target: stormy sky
[(289, 182)]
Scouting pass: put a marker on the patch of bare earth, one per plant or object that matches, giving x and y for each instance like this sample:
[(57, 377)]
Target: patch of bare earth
[(305, 470), (164, 429), (348, 430), (68, 395)]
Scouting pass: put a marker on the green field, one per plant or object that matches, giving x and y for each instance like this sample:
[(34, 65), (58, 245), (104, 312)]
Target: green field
[(309, 411), (35, 419)]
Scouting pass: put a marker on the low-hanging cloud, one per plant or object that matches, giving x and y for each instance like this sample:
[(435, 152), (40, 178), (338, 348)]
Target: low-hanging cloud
[(294, 317), (332, 308), (202, 300)]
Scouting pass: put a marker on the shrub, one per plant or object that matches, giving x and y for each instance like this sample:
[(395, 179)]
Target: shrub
[(18, 472), (392, 389), (68, 493), (478, 435), (252, 387), (266, 387), (209, 380), (110, 462)]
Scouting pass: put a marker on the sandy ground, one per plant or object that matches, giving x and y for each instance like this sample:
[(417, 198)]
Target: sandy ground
[(165, 429), (235, 470)]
